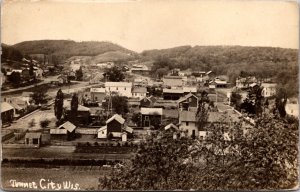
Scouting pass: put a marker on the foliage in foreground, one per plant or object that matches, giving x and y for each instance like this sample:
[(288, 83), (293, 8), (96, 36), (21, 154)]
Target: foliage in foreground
[(264, 157)]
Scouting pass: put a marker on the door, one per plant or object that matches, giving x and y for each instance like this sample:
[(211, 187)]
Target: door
[(193, 134)]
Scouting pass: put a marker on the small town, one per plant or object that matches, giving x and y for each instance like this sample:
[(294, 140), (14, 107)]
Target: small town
[(93, 115)]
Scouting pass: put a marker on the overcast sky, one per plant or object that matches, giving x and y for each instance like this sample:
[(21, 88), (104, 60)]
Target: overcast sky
[(141, 25)]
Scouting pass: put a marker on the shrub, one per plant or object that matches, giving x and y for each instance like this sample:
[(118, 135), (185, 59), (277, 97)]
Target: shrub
[(44, 123), (96, 144)]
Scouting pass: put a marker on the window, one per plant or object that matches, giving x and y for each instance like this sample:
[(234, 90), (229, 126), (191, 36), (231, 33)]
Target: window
[(125, 88), (190, 99), (147, 118), (187, 123), (117, 88)]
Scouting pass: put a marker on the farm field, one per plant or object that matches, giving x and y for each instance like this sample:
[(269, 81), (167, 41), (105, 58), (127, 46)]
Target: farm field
[(59, 152), (85, 177)]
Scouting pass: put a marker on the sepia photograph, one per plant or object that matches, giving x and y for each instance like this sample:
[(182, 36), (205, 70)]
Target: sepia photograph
[(106, 95)]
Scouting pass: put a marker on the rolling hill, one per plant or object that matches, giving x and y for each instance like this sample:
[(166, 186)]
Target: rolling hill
[(64, 49)]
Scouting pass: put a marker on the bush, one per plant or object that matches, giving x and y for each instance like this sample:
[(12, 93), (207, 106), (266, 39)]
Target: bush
[(88, 144), (96, 144), (44, 123)]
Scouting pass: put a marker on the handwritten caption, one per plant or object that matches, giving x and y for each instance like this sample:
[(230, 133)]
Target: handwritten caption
[(45, 184)]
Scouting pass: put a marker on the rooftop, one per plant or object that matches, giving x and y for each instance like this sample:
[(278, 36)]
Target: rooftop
[(68, 126), (173, 91), (118, 84), (139, 90), (151, 111), (116, 117), (6, 107), (98, 90), (187, 116)]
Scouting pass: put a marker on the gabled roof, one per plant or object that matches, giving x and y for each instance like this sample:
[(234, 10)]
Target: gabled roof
[(139, 90), (33, 135), (98, 90), (151, 111), (128, 129), (152, 99), (26, 94), (6, 107), (68, 126), (190, 89), (187, 116), (171, 125), (116, 117), (172, 77), (173, 91), (186, 97), (118, 84), (102, 128)]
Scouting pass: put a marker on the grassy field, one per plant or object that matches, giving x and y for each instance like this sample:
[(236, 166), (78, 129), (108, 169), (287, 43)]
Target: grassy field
[(85, 177)]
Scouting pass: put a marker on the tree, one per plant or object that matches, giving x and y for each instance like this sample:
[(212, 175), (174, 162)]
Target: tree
[(280, 101), (44, 123), (114, 74), (119, 104), (253, 104), (235, 100), (263, 158), (137, 118), (31, 70), (58, 105), (15, 78), (79, 74), (74, 108), (202, 112), (39, 95)]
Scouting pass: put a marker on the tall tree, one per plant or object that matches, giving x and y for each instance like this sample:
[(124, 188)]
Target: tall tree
[(58, 105), (15, 78), (280, 101), (79, 74), (74, 108), (39, 95), (202, 111), (114, 74)]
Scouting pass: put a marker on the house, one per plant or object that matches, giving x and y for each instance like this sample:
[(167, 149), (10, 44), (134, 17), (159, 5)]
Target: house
[(187, 90), (20, 105), (7, 112), (65, 131), (292, 107), (115, 128), (139, 92), (269, 89), (98, 94), (188, 103), (151, 116), (147, 101), (172, 94), (83, 113), (120, 88), (212, 85), (33, 139), (97, 78), (140, 69), (172, 81), (244, 82), (38, 72), (188, 123)]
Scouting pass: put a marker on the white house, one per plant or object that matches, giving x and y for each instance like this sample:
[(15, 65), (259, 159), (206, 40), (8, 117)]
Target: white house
[(121, 88), (139, 92), (187, 123), (269, 89)]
